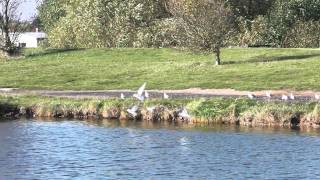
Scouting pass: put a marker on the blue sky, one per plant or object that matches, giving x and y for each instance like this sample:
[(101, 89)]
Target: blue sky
[(28, 9)]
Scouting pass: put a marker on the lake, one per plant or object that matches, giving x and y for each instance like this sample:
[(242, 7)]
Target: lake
[(34, 149)]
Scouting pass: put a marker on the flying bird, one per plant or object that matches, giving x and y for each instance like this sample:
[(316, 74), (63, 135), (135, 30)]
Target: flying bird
[(133, 111), (140, 98), (139, 94)]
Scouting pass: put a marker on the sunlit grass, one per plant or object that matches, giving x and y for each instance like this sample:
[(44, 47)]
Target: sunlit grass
[(105, 69)]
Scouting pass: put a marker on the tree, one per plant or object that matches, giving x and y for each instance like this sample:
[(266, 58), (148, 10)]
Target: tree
[(206, 24), (304, 34), (9, 24), (50, 11), (250, 9), (288, 14), (306, 10), (101, 23)]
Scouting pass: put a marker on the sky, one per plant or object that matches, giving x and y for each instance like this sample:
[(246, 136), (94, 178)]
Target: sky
[(28, 9)]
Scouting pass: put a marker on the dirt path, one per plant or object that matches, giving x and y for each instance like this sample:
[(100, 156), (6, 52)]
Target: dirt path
[(187, 93)]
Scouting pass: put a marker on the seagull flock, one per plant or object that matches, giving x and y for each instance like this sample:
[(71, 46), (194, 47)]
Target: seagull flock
[(284, 97), (142, 94)]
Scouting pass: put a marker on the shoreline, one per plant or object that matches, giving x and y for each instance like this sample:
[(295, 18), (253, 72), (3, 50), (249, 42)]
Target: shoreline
[(231, 111)]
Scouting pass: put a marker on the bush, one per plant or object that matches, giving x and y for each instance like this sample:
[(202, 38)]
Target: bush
[(162, 34), (251, 33), (304, 34)]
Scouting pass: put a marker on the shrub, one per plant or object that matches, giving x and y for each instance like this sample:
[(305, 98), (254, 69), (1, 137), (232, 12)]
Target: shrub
[(304, 34), (251, 33)]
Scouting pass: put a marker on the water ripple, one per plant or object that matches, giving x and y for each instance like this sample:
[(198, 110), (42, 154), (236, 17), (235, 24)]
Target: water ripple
[(80, 150)]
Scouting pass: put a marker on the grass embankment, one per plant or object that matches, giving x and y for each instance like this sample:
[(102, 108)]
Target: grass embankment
[(228, 111), (102, 69)]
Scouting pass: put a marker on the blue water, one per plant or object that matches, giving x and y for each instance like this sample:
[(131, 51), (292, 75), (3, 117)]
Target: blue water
[(122, 150)]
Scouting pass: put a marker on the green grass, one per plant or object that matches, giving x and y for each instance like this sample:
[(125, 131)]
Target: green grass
[(201, 108), (214, 110), (105, 69)]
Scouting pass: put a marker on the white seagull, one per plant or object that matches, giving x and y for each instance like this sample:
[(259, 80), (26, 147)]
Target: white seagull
[(122, 96), (184, 114), (268, 94), (292, 97), (165, 96), (151, 109), (251, 96), (133, 111), (7, 89), (317, 97), (285, 97), (139, 94), (146, 94)]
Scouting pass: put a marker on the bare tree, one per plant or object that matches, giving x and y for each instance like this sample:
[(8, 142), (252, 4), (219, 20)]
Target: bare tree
[(9, 24), (206, 23)]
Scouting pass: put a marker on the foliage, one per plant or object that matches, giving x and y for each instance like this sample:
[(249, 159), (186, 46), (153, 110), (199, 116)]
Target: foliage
[(250, 9), (10, 26), (254, 35), (51, 11), (116, 23), (206, 24), (281, 25), (302, 34), (71, 32), (162, 33), (158, 23), (279, 21), (285, 15), (306, 10)]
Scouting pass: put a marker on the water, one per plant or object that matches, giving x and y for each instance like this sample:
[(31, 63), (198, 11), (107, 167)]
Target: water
[(127, 150)]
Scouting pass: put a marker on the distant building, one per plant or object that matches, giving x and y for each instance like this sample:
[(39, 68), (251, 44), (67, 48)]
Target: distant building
[(30, 39)]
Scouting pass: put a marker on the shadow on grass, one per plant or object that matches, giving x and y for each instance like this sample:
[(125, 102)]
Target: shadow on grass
[(51, 51), (264, 58)]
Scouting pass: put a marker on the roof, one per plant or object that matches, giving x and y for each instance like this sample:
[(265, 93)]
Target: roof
[(32, 34)]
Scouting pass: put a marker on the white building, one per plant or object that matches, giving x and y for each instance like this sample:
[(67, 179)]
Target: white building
[(30, 39)]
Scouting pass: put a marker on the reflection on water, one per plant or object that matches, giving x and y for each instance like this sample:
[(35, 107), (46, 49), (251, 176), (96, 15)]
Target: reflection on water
[(143, 150), (201, 127)]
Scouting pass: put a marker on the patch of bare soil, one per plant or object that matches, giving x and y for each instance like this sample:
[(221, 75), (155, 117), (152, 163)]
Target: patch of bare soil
[(232, 92)]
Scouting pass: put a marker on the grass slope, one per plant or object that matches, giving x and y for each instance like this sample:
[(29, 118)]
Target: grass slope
[(102, 69)]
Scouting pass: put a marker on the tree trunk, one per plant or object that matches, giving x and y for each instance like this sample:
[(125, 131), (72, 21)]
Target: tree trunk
[(218, 60), (7, 39), (6, 24)]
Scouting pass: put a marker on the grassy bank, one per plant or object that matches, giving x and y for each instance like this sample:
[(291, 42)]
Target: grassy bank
[(101, 69), (228, 111)]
